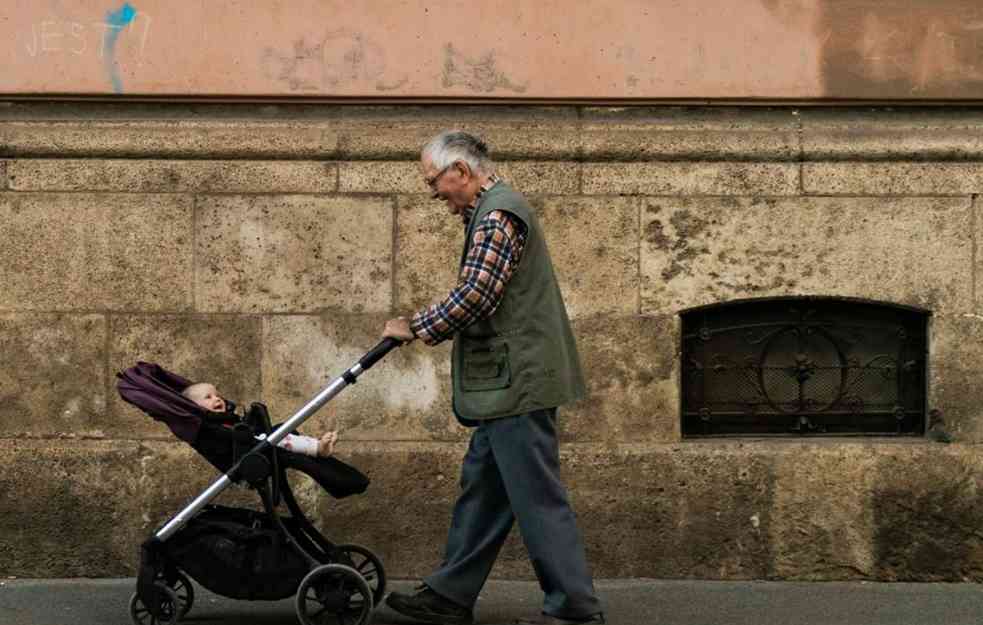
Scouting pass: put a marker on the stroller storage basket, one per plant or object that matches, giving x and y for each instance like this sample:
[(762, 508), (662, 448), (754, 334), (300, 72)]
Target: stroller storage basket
[(239, 554)]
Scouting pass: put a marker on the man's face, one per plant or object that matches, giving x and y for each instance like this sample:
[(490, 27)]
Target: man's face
[(452, 184)]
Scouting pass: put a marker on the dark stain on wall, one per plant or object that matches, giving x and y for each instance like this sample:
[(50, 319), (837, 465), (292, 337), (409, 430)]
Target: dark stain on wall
[(901, 48), (928, 528), (893, 49)]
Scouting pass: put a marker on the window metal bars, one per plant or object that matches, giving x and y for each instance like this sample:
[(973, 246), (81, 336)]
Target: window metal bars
[(798, 366)]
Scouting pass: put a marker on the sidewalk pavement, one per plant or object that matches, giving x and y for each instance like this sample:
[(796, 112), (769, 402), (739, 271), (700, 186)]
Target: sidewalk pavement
[(628, 602)]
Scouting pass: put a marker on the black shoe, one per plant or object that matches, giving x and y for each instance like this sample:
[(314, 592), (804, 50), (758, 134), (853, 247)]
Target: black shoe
[(429, 607), (547, 619)]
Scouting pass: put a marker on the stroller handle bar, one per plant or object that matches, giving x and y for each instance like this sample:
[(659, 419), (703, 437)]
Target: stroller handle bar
[(348, 377), (378, 352)]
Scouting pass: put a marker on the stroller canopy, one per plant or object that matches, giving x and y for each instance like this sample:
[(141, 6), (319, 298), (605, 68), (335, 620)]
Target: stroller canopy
[(157, 391)]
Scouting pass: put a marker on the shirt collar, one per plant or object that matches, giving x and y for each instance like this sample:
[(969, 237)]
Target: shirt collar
[(469, 210)]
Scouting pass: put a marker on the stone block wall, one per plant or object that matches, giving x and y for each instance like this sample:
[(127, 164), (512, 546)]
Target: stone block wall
[(263, 247)]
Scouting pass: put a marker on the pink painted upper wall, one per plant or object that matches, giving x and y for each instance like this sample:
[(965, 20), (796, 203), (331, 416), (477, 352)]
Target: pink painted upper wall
[(496, 49)]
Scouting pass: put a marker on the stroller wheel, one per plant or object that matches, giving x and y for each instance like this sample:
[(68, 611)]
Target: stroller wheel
[(368, 565), (183, 589), (334, 594), (169, 610)]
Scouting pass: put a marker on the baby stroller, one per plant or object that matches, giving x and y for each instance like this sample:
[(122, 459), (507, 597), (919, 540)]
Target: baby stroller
[(248, 554)]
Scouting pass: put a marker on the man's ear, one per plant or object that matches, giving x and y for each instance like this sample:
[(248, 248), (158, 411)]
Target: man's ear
[(464, 169)]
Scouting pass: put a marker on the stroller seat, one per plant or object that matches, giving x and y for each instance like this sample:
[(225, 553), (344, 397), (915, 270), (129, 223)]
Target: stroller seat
[(221, 438)]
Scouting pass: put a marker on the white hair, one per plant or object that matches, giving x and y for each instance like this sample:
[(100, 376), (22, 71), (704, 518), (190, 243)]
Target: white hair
[(456, 145)]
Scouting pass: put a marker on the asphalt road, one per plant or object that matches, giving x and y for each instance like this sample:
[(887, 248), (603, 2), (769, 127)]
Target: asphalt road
[(628, 602)]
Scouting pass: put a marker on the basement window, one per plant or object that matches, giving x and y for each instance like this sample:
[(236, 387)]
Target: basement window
[(804, 366)]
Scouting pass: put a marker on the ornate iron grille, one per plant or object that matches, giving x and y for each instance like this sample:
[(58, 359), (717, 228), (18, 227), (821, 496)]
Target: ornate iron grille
[(804, 366)]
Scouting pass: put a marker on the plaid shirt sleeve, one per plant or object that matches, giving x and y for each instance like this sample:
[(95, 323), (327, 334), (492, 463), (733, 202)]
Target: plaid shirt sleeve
[(495, 250)]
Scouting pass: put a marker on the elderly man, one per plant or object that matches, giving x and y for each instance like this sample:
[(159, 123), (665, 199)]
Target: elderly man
[(514, 362)]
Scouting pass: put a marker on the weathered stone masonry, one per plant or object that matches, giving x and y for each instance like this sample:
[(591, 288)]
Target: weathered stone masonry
[(262, 247)]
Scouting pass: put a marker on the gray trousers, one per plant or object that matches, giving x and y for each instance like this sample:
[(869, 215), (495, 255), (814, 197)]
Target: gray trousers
[(512, 472)]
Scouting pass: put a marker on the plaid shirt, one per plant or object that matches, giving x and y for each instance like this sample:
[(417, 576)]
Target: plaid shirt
[(496, 247)]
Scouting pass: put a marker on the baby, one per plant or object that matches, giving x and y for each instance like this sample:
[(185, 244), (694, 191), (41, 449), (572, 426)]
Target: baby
[(206, 396)]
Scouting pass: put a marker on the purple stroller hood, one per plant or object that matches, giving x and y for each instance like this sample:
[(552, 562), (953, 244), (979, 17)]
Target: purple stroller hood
[(157, 391)]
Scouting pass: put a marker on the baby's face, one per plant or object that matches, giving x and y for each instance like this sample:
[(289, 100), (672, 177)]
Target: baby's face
[(208, 398)]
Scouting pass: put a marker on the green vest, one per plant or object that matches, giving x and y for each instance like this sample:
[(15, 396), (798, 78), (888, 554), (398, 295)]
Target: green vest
[(523, 357)]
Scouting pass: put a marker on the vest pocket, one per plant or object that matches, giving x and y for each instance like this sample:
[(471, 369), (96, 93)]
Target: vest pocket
[(486, 368)]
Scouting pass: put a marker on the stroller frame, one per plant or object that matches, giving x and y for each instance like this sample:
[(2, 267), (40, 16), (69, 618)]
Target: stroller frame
[(335, 582)]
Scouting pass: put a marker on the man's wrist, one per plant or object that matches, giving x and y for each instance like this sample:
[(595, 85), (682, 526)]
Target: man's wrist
[(412, 324)]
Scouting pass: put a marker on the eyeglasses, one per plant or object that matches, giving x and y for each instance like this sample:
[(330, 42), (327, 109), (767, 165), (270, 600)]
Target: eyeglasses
[(432, 182)]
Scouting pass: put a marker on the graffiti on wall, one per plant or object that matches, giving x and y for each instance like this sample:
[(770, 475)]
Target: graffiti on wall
[(117, 20), (53, 37), (477, 74), (337, 58)]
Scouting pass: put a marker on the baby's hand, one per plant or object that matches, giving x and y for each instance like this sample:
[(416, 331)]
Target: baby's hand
[(325, 446)]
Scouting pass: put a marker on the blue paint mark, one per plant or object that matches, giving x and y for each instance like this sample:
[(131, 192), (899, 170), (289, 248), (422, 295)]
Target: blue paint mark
[(117, 21), (122, 17)]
